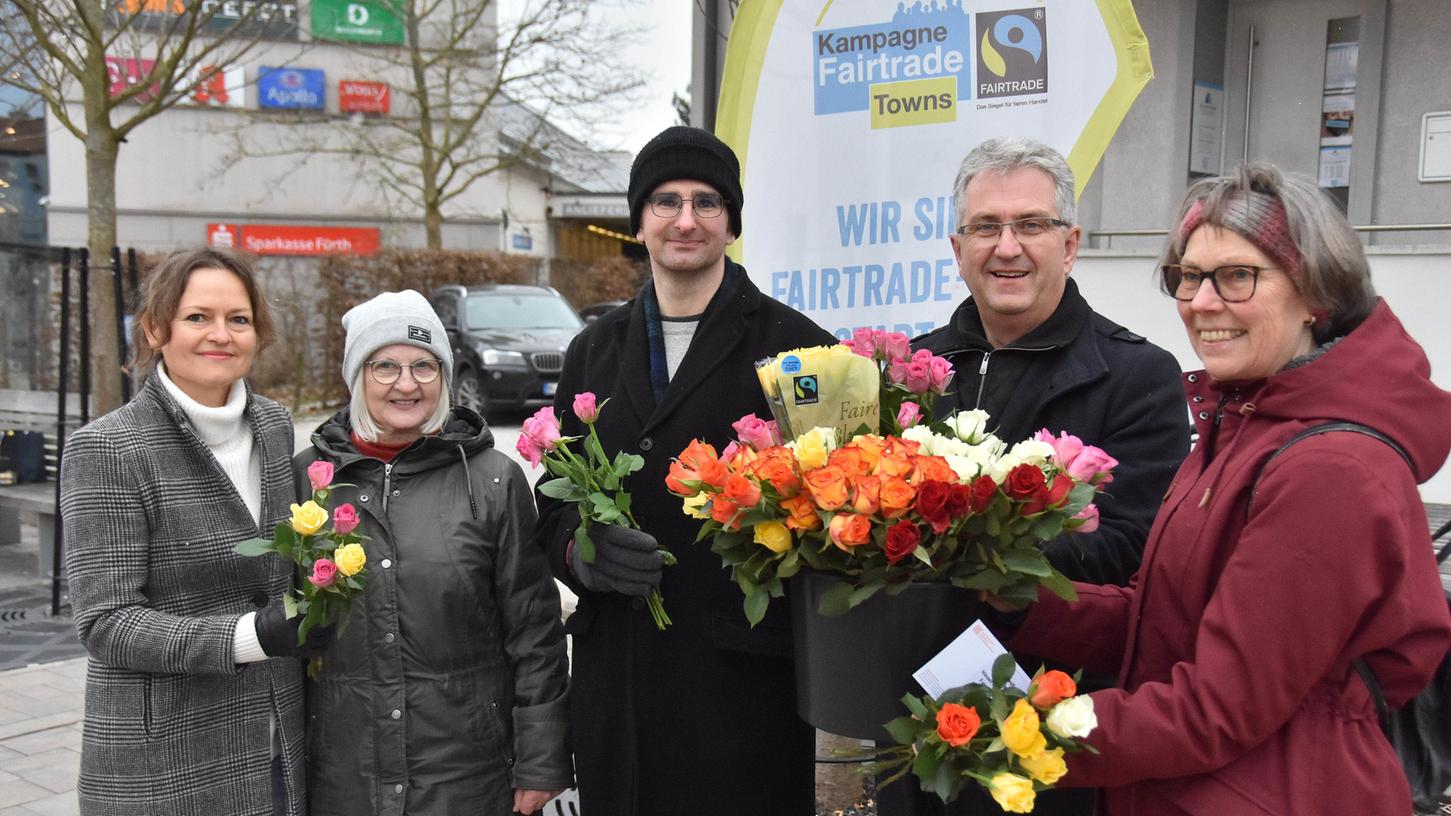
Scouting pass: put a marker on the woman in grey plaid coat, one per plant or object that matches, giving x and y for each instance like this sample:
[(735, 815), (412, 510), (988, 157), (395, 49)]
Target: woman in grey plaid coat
[(185, 715)]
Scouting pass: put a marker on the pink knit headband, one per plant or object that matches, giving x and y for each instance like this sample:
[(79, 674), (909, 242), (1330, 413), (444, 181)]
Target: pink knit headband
[(1259, 219)]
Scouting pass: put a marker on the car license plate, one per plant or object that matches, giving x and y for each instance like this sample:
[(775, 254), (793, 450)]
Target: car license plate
[(550, 388)]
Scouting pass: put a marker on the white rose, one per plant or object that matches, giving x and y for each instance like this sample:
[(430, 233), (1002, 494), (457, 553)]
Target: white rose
[(923, 436), (950, 446), (1001, 467), (969, 425), (964, 467), (1073, 717), (1032, 452)]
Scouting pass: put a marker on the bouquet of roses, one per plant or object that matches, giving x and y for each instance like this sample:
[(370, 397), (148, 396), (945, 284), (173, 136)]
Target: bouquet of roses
[(592, 482), (920, 500), (333, 560), (1009, 741)]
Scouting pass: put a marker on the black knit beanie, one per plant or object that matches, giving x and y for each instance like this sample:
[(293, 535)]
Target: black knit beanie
[(686, 153)]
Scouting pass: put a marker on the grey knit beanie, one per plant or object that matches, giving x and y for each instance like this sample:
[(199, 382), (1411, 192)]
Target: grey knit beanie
[(392, 317)]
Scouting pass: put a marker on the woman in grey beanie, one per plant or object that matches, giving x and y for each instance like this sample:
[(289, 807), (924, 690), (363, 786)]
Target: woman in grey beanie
[(446, 692)]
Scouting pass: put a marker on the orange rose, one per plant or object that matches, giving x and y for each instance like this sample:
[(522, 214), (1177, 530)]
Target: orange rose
[(896, 458), (827, 486), (742, 491), (931, 469), (957, 724), (1051, 688), (714, 473), (687, 466), (896, 496), (871, 447), (848, 530), (864, 494), (850, 460), (723, 510), (740, 456), (777, 466), (803, 513)]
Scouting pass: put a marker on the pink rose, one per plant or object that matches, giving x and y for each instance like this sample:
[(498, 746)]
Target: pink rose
[(1090, 519), (324, 572), (538, 435), (918, 377), (1066, 446), (345, 519), (895, 346), (908, 415), (320, 473), (941, 372), (1092, 465), (755, 432), (585, 407)]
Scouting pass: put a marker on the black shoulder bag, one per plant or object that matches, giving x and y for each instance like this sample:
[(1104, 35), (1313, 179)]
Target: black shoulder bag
[(1420, 730)]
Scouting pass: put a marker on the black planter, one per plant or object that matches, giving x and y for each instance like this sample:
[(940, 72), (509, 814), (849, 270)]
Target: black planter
[(852, 670)]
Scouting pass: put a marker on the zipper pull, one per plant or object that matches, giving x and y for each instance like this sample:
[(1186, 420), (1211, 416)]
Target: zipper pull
[(982, 369), (387, 487)]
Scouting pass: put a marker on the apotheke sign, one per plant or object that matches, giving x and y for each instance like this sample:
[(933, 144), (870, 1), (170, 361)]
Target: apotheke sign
[(269, 239), (291, 88)]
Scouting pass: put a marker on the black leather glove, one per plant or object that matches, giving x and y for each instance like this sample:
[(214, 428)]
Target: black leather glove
[(278, 634), (626, 561)]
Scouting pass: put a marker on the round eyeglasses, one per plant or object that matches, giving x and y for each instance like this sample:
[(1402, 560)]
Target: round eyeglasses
[(387, 372), (1234, 283)]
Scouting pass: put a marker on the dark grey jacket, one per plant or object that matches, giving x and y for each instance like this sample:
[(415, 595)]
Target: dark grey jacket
[(173, 725), (446, 690)]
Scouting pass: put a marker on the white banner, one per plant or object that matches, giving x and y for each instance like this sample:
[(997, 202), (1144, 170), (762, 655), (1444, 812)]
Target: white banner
[(850, 118)]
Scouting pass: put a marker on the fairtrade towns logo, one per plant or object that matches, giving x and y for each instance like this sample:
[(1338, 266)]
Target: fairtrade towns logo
[(1012, 57), (912, 70)]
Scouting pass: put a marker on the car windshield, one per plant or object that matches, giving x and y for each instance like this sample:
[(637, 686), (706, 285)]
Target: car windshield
[(520, 311)]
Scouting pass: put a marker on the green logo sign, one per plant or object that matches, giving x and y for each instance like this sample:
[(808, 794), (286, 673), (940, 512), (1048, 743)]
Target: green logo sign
[(365, 21)]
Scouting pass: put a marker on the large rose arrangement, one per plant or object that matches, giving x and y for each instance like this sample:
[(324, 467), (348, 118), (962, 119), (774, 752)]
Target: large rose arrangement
[(942, 502), (330, 564), (1010, 741)]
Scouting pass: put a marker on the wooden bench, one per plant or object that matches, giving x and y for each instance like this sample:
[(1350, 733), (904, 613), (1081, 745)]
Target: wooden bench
[(34, 411)]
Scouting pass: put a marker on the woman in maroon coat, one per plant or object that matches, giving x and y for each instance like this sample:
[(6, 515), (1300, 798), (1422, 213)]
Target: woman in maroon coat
[(1236, 640)]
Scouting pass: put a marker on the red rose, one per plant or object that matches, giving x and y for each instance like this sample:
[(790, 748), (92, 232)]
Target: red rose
[(902, 540), (1023, 481), (959, 500), (1058, 492), (983, 491), (932, 504)]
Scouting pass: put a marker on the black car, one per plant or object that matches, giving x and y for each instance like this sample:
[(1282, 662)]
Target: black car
[(508, 343), (595, 311)]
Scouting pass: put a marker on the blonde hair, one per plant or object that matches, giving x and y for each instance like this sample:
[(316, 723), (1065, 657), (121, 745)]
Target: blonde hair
[(361, 422)]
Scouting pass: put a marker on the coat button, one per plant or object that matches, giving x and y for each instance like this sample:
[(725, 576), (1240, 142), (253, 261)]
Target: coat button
[(1198, 399), (386, 563), (363, 497), (259, 599), (396, 714), (1192, 378), (398, 788), (646, 444), (389, 638), (637, 603), (1204, 415)]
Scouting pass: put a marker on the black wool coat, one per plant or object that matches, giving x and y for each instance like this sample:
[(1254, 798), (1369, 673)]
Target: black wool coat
[(700, 718)]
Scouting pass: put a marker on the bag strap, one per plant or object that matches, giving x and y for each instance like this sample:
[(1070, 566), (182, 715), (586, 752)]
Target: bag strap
[(1382, 710)]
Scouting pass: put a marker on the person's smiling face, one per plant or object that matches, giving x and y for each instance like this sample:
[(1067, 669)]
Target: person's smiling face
[(686, 243), (211, 342), (401, 408)]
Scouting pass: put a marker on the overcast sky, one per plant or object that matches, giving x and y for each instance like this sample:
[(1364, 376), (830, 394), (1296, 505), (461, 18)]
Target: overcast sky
[(663, 56)]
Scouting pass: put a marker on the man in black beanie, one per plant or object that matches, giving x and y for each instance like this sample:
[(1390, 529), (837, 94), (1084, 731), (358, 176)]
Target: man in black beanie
[(699, 718)]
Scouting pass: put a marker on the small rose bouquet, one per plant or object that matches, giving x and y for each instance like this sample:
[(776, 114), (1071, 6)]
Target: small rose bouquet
[(1009, 741), (593, 482), (333, 561)]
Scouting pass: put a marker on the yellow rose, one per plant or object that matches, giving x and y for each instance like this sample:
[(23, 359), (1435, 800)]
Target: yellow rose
[(350, 558), (693, 505), (1013, 793), (1047, 767), (1020, 732), (812, 447), (308, 517), (774, 536)]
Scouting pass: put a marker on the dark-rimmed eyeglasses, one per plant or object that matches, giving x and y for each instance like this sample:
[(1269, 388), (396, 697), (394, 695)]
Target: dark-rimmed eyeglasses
[(1234, 283), (668, 205), (1022, 228), (387, 372)]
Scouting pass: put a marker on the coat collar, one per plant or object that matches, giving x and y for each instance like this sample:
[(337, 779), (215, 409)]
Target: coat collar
[(721, 331)]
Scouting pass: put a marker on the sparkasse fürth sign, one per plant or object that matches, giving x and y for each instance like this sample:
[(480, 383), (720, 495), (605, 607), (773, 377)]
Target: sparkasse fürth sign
[(271, 239)]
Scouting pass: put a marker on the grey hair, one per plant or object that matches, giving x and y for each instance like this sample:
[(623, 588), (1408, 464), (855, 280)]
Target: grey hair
[(362, 422), (1334, 275), (1009, 153)]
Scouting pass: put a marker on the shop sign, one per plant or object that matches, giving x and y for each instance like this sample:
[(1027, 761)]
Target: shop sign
[(272, 239), (359, 96), (361, 21), (291, 88), (218, 87), (125, 72), (266, 19)]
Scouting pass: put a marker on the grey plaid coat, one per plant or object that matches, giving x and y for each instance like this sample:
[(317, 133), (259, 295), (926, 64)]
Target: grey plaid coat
[(172, 725)]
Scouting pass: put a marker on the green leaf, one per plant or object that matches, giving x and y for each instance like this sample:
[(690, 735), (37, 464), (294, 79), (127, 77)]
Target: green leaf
[(836, 600), (756, 604), (564, 490), (916, 706), (1059, 585), (1047, 527), (790, 563), (903, 730), (289, 605), (860, 594), (1003, 669), (921, 555), (622, 502), (584, 546), (627, 463), (596, 452), (1027, 560), (254, 546)]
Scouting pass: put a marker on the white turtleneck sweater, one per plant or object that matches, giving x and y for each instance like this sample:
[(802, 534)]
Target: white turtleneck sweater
[(228, 436)]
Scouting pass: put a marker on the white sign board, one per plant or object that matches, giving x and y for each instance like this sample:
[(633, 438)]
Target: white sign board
[(1435, 147), (851, 116), (1206, 129)]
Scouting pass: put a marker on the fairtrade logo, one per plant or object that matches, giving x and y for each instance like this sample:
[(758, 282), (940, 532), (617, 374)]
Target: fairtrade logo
[(806, 389), (1012, 46)]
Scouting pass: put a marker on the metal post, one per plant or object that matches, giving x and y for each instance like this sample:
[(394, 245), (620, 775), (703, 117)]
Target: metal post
[(60, 424), (85, 324), (1249, 85), (120, 294)]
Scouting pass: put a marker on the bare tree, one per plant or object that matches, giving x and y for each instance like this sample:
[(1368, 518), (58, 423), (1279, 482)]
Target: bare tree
[(160, 51), (478, 86)]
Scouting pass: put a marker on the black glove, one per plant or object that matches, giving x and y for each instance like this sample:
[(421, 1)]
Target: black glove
[(278, 634), (626, 561)]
